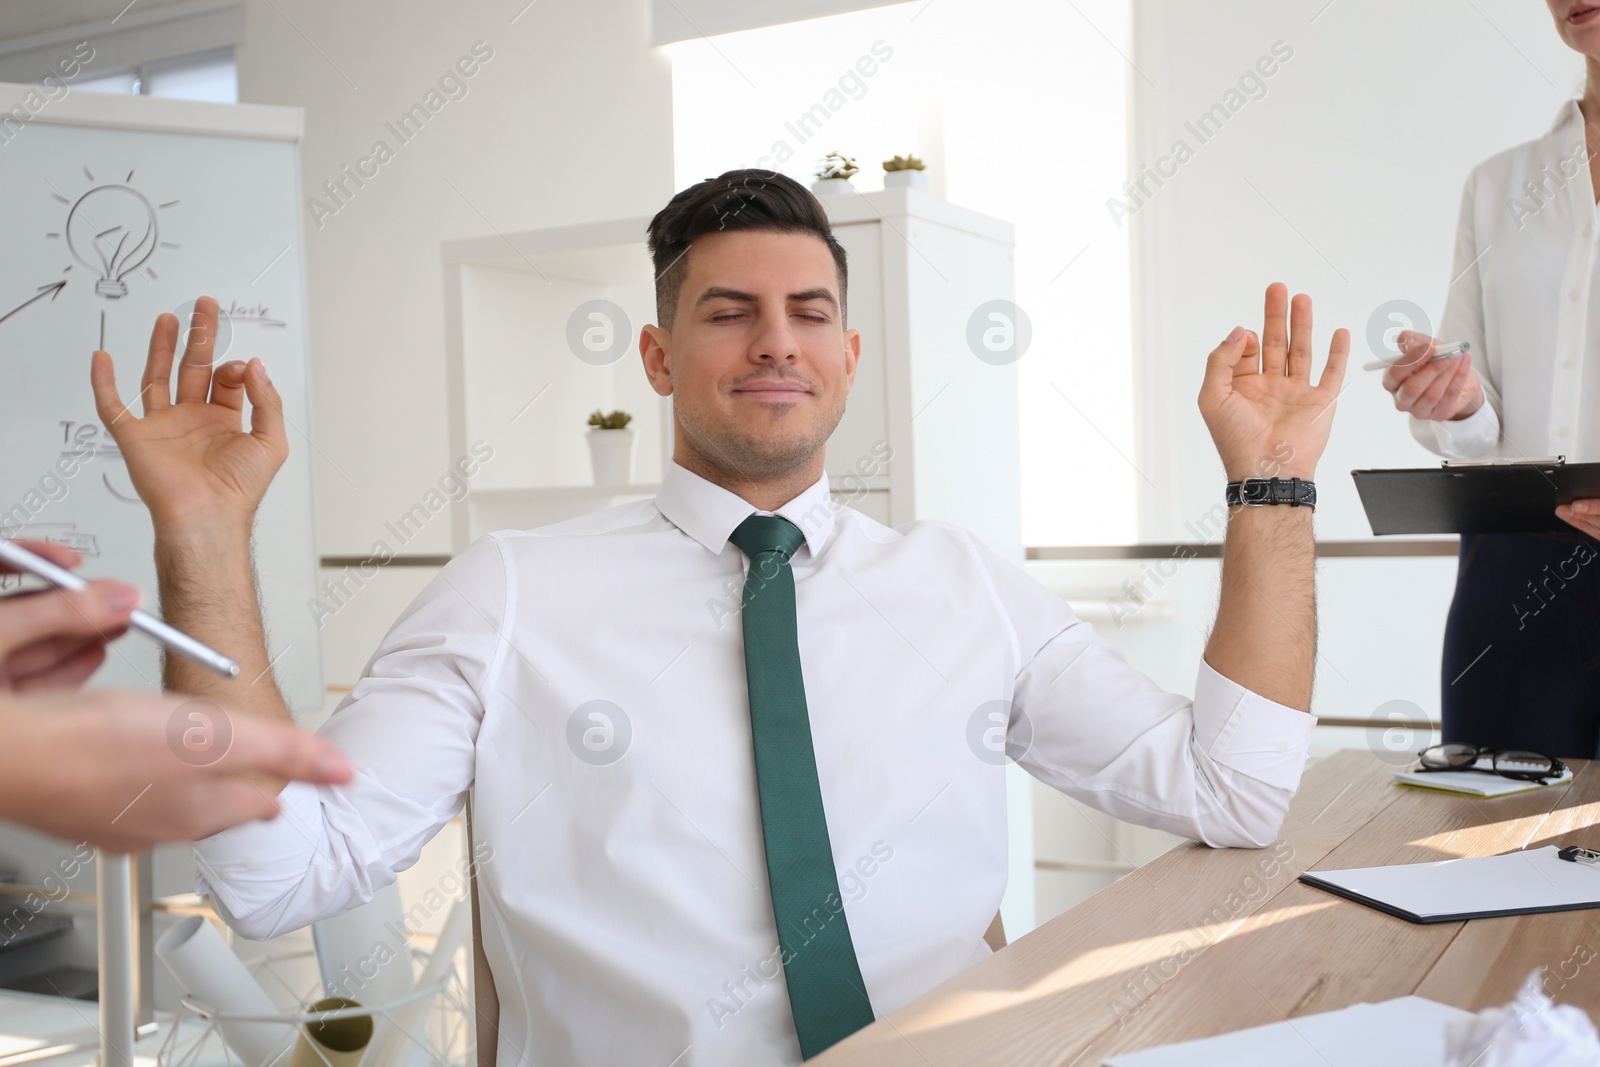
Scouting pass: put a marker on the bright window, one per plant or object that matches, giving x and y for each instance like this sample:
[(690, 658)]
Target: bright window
[(1020, 108), (209, 76)]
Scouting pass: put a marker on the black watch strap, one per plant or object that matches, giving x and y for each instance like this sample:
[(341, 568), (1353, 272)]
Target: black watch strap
[(1254, 492)]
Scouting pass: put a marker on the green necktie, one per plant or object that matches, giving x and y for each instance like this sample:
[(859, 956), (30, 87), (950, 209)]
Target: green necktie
[(826, 992)]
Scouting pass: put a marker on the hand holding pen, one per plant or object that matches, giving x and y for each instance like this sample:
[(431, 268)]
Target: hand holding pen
[(1429, 383), (16, 556), (55, 639)]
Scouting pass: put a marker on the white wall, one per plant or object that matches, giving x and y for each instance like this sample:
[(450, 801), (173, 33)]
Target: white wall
[(1343, 180), (569, 121)]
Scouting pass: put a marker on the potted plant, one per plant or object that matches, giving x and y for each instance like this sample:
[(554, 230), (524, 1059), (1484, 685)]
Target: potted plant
[(834, 173), (611, 447), (905, 171)]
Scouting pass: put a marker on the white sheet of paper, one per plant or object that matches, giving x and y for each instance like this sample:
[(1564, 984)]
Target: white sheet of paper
[(1404, 1032), (1533, 878)]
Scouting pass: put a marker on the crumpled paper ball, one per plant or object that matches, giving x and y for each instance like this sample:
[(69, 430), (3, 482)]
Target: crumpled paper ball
[(1531, 1031)]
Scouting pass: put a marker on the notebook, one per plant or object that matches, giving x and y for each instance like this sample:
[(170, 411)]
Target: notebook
[(1473, 783), (1517, 883), (1404, 1032)]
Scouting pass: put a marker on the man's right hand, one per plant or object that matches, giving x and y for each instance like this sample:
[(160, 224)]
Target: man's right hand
[(191, 460), (1440, 390)]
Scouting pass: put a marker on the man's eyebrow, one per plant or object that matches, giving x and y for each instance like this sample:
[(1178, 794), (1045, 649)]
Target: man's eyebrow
[(722, 292), (815, 294)]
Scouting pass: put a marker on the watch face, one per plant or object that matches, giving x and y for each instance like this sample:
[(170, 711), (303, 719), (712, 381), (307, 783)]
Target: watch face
[(1255, 491)]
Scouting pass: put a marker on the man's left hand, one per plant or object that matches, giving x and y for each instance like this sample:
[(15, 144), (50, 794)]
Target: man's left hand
[(1265, 416)]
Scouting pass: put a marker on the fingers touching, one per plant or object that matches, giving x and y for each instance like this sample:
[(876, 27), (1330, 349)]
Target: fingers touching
[(1237, 354), (266, 406), (228, 385)]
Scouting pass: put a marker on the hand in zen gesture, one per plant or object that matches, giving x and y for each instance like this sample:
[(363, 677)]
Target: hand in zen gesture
[(1265, 416), (190, 457)]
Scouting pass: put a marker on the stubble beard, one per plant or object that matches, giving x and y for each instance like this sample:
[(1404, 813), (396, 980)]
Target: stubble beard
[(746, 457)]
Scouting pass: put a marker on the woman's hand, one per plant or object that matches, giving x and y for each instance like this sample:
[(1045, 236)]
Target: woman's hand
[(1439, 390), (120, 770), (1581, 514), (55, 639)]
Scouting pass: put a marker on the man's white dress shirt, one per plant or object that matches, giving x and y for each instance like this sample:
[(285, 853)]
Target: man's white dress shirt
[(625, 907), (1524, 281)]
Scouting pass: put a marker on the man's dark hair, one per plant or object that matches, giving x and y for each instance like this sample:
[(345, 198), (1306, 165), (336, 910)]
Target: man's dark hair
[(737, 200)]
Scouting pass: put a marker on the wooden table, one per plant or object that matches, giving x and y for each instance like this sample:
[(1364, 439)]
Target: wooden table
[(1203, 941)]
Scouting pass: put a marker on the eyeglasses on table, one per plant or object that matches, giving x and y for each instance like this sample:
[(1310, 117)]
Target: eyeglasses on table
[(1507, 763)]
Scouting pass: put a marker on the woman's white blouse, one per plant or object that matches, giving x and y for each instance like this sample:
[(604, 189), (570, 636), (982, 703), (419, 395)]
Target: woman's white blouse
[(1522, 286)]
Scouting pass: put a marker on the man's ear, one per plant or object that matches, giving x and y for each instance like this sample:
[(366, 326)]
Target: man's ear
[(655, 349), (852, 353)]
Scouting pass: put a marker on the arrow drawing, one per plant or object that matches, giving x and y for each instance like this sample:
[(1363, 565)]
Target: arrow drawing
[(51, 290)]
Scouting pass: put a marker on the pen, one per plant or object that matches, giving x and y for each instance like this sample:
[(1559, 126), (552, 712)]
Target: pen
[(173, 638), (1446, 352)]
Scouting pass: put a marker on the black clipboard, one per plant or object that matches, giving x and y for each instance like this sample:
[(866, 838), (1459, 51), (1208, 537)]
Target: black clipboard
[(1469, 498)]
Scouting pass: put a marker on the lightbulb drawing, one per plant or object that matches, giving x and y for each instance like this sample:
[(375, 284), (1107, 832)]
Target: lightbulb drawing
[(111, 229)]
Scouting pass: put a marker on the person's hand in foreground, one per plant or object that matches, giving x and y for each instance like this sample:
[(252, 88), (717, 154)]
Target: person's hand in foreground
[(1425, 388), (53, 638), (124, 771)]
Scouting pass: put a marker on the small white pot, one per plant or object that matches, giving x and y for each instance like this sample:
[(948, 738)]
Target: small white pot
[(611, 456), (905, 179), (832, 185)]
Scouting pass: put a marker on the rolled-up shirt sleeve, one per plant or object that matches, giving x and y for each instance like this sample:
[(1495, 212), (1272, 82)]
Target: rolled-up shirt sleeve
[(409, 728), (1220, 768)]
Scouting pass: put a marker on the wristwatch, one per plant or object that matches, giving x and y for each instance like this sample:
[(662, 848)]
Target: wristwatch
[(1254, 492)]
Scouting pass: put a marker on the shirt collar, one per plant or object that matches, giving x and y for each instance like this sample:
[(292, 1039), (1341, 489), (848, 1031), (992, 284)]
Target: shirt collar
[(709, 513), (1569, 116)]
